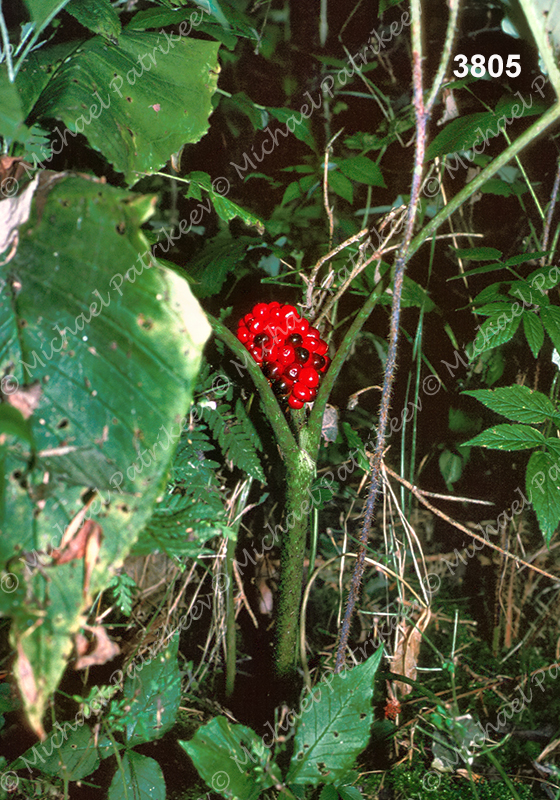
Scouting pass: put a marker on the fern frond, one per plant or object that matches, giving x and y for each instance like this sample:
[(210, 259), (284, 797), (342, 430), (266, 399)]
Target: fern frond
[(192, 509), (236, 436)]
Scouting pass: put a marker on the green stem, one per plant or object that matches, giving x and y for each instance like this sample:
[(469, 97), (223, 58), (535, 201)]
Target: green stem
[(500, 161), (284, 436), (231, 650), (300, 472)]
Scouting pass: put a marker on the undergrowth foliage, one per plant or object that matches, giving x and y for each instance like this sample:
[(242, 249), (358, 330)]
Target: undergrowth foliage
[(282, 636)]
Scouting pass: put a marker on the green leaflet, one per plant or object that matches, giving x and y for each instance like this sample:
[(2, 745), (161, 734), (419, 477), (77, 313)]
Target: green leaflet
[(508, 437), (517, 403), (542, 483)]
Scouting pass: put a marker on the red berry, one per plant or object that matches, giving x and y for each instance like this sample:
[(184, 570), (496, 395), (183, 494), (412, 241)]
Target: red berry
[(311, 343), (313, 332), (261, 339), (258, 325), (247, 318), (293, 402), (301, 391), (272, 370), (256, 353), (289, 319), (318, 361), (274, 304), (294, 339), (301, 355), (281, 387), (260, 310), (270, 353), (322, 348), (243, 334), (292, 372), (309, 377), (286, 355)]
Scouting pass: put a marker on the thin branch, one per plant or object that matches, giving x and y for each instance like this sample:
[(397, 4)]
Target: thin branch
[(550, 212), (324, 259), (390, 364), (422, 497)]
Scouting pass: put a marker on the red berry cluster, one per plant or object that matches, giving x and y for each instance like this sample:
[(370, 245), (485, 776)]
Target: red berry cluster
[(291, 353)]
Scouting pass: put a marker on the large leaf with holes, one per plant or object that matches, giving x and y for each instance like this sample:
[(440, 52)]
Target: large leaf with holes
[(105, 345), (232, 759), (334, 723), (138, 101)]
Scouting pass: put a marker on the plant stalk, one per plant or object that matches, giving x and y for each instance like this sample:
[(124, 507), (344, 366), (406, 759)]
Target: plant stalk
[(300, 472)]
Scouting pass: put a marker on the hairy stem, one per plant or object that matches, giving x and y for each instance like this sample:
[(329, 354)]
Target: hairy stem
[(300, 471)]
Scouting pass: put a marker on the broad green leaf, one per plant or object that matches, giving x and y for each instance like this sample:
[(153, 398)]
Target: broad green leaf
[(114, 341), (213, 7), (241, 102), (499, 328), (42, 11), (138, 778), (501, 188), (550, 318), (517, 403), (491, 294), (334, 725), (340, 185), (137, 103), (361, 169), (225, 208), (35, 73), (292, 192), (476, 130), (542, 482), (534, 332), (328, 792), (11, 112), (479, 254), (154, 694), (222, 255), (97, 15), (451, 467), (508, 437), (69, 751), (232, 759), (292, 122), (13, 423), (349, 793)]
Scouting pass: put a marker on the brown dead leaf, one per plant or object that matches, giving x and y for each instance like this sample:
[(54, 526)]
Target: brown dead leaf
[(104, 649), (23, 672), (25, 398), (83, 543), (15, 206), (405, 660)]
